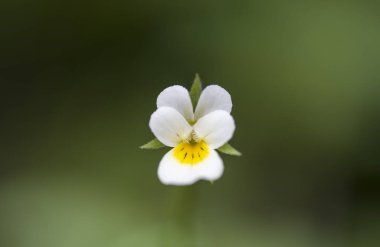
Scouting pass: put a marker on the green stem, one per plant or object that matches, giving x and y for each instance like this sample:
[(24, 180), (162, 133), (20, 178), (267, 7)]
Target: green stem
[(179, 225)]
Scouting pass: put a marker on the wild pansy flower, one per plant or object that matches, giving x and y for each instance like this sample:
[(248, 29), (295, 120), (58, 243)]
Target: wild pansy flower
[(194, 124)]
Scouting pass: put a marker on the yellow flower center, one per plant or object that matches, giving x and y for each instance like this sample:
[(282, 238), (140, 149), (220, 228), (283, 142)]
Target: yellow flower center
[(191, 153)]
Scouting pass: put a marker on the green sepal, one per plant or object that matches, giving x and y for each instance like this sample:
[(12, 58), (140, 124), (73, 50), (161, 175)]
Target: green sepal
[(196, 90), (228, 149), (153, 144)]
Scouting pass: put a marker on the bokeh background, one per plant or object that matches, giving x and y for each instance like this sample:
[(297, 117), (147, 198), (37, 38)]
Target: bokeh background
[(79, 80)]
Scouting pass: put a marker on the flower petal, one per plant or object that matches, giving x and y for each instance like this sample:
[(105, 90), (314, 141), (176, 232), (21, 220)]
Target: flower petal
[(169, 126), (213, 98), (172, 172), (216, 128), (178, 98)]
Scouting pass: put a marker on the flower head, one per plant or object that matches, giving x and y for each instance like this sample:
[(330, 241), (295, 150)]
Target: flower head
[(194, 135)]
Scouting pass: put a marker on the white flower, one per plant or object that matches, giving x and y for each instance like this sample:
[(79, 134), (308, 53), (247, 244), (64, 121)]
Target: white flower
[(194, 135)]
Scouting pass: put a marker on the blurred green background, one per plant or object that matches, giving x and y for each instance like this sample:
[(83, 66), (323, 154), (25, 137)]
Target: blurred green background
[(79, 80)]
